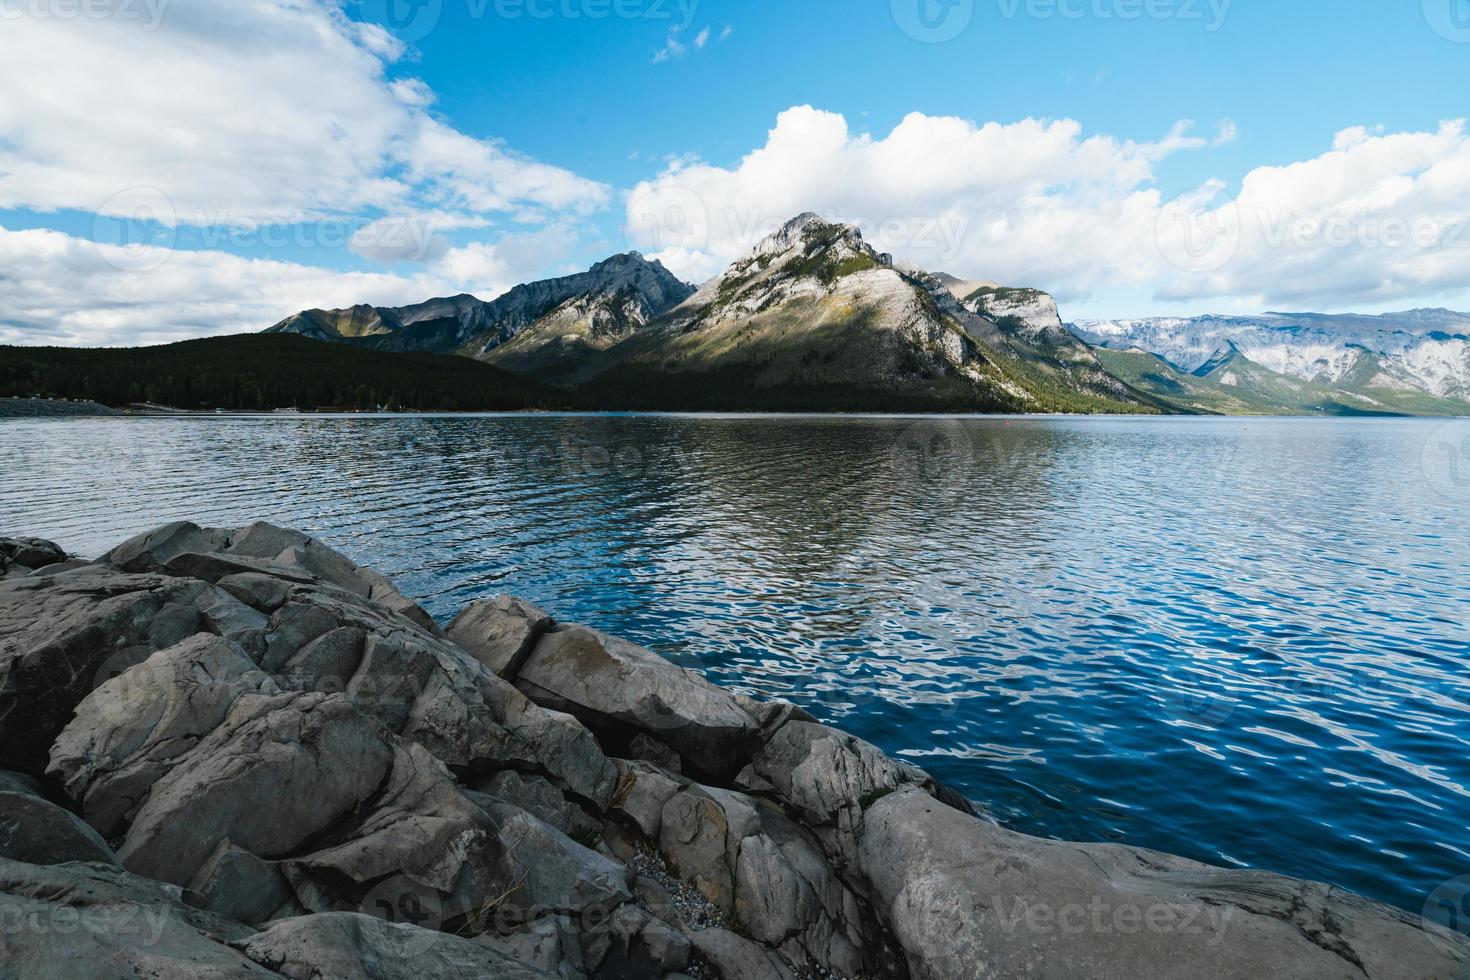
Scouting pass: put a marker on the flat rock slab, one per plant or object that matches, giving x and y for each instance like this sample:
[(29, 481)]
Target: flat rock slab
[(970, 900), (343, 946)]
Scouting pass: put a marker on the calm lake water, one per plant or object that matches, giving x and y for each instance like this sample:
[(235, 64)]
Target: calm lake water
[(1245, 641)]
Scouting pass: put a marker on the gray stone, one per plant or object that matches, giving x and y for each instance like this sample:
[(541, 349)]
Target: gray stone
[(131, 730), (350, 946), (14, 782), (428, 690), (500, 633), (275, 773), (610, 683), (738, 959), (62, 635), (238, 885), (40, 832), (97, 922), (642, 791), (763, 870), (637, 946), (23, 555), (262, 592), (549, 944), (291, 552), (540, 798), (646, 748), (969, 899), (828, 778)]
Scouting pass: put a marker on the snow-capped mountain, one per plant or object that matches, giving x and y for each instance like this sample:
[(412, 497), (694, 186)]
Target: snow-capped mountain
[(1427, 350)]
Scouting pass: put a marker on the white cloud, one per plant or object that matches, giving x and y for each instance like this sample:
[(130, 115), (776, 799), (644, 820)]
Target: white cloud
[(1039, 203), (675, 47), (59, 289), (243, 110)]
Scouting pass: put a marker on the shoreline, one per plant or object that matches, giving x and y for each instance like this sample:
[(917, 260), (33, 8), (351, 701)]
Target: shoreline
[(680, 828)]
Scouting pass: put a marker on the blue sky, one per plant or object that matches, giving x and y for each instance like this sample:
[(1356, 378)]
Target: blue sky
[(1049, 142)]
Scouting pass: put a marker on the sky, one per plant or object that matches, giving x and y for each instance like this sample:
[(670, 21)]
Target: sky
[(182, 168)]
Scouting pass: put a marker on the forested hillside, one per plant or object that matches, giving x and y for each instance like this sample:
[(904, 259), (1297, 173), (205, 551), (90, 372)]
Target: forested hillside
[(266, 371)]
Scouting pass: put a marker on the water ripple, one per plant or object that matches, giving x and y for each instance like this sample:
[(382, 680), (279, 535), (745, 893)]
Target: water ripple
[(1248, 645)]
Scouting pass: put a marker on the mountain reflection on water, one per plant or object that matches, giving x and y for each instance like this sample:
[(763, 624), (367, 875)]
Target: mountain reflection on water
[(1244, 641)]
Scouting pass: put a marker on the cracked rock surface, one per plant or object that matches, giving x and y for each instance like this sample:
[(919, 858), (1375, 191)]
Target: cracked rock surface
[(237, 753)]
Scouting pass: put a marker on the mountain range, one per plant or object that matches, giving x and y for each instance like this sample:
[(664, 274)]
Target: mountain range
[(1416, 362), (814, 318)]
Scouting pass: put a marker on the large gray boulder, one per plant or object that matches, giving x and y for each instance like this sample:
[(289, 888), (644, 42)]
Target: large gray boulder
[(328, 625), (21, 556), (500, 633), (97, 922), (37, 831), (351, 946), (183, 549), (829, 778), (969, 899), (277, 772), (131, 730), (62, 635), (616, 687)]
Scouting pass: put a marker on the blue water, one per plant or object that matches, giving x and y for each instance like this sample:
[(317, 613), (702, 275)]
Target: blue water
[(1245, 641)]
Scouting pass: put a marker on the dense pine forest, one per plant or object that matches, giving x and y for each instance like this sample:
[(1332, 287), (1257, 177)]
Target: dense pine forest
[(259, 372)]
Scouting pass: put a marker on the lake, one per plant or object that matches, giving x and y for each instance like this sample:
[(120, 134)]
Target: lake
[(1246, 641)]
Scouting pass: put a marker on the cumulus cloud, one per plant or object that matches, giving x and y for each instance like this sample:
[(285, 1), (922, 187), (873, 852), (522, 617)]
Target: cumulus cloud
[(276, 127), (243, 109), (1038, 202), (60, 289)]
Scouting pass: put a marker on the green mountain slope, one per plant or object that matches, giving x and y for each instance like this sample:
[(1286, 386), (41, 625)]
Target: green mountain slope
[(265, 371)]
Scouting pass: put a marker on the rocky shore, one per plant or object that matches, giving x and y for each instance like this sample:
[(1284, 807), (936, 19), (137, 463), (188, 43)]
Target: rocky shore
[(236, 753)]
